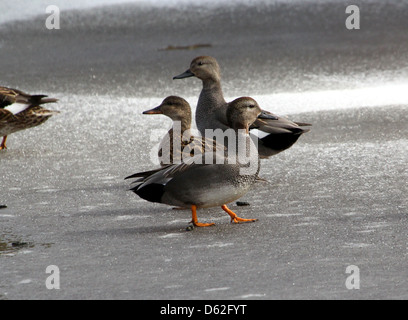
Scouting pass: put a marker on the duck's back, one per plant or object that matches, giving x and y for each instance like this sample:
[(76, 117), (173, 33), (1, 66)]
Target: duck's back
[(197, 185)]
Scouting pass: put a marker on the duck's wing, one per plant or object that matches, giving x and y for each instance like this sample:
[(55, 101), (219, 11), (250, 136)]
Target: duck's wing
[(30, 117), (277, 134), (9, 96), (188, 147), (164, 174), (278, 125), (36, 111), (8, 123), (145, 174), (5, 116), (157, 176), (199, 145)]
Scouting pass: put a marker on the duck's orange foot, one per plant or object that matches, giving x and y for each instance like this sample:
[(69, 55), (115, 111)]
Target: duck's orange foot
[(3, 143), (199, 224), (234, 217), (239, 220), (194, 220)]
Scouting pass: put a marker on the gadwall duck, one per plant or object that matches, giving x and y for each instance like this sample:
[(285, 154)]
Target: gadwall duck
[(278, 134), (202, 184), (19, 111), (179, 143)]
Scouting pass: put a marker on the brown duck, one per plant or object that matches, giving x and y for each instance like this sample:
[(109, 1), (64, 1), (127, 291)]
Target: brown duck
[(20, 110), (179, 143)]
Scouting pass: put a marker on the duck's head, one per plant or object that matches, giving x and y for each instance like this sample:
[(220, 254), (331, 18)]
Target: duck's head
[(204, 68), (176, 108), (242, 112)]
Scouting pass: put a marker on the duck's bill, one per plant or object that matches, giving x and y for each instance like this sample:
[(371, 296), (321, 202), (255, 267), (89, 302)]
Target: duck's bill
[(156, 110), (185, 74), (267, 116)]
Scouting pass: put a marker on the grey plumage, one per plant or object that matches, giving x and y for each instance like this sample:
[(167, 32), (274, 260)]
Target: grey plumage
[(202, 185), (211, 110)]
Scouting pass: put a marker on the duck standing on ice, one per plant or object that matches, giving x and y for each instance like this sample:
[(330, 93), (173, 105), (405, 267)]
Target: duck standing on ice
[(203, 184), (20, 111)]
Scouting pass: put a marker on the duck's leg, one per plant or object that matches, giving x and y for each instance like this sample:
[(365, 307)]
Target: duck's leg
[(3, 143), (234, 217), (195, 222)]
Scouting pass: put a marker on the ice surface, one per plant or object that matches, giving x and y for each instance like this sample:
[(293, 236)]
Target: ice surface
[(337, 197)]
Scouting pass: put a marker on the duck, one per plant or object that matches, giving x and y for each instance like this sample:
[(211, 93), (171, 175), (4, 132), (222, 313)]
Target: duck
[(180, 142), (276, 133), (201, 184), (20, 111)]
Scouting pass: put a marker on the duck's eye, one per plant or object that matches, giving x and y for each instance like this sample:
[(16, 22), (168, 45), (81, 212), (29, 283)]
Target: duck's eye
[(200, 63), (251, 106)]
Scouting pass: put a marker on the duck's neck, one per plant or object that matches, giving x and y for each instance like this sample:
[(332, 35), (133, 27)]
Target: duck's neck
[(211, 96), (181, 125), (247, 153), (185, 124)]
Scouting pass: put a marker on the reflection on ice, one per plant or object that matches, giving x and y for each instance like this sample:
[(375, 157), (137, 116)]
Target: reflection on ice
[(375, 96)]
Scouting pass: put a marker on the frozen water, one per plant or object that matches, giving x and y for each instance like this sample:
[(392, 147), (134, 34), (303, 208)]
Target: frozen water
[(22, 9), (337, 197)]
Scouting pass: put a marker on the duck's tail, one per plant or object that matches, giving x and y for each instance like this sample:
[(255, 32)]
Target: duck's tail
[(36, 99)]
